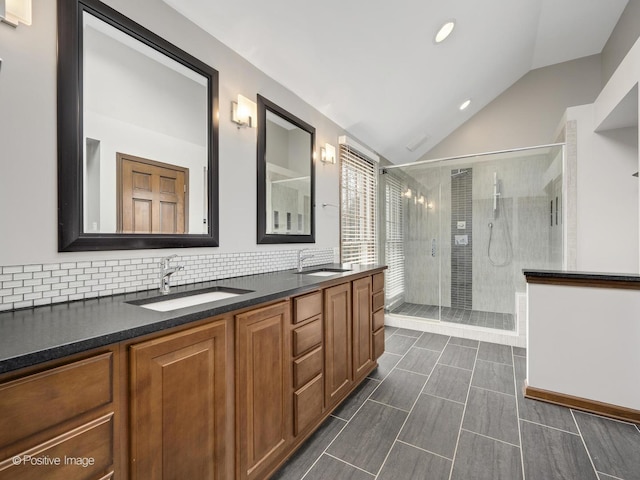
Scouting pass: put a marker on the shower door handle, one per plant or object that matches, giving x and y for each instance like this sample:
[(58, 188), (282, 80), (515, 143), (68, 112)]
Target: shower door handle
[(433, 247)]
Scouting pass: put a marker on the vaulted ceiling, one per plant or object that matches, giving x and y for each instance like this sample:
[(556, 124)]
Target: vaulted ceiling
[(372, 66)]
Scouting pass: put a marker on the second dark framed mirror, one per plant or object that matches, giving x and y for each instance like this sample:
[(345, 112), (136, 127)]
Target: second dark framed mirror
[(286, 176)]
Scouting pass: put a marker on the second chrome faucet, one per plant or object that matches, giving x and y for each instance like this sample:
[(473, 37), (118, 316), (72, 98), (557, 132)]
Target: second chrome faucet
[(302, 257)]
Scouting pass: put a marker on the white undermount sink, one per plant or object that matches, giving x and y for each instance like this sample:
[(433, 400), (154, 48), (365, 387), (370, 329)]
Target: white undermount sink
[(183, 301), (324, 272)]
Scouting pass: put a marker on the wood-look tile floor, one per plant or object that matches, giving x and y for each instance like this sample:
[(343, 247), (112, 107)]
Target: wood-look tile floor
[(446, 408)]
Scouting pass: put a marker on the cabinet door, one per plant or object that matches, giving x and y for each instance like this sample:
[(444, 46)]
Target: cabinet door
[(338, 364), (264, 412), (179, 407), (362, 347)]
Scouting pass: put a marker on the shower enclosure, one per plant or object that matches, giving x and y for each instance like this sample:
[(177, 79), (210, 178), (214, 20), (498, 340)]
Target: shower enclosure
[(459, 231)]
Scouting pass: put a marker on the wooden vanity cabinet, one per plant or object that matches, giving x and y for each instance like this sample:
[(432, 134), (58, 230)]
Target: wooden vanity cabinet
[(377, 306), (263, 390), (362, 340), (180, 406), (307, 361), (338, 366), (229, 397), (64, 418)]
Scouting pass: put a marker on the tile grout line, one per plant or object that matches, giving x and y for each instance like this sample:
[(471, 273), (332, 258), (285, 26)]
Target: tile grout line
[(584, 444), (350, 464), (423, 449), (453, 366), (441, 398), (464, 411), (430, 349), (493, 391), (598, 472), (549, 426), (387, 405), (410, 371), (515, 384), (411, 409), (490, 438)]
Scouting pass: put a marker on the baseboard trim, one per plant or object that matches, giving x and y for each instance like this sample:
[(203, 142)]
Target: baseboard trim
[(592, 406)]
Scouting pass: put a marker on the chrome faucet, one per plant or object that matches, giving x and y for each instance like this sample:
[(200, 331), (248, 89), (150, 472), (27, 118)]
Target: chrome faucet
[(166, 272), (302, 258)]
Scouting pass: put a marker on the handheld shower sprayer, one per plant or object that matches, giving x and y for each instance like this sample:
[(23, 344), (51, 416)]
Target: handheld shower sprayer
[(493, 222)]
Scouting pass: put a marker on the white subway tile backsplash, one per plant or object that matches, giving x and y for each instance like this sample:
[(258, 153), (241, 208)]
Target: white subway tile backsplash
[(24, 304), (33, 268), (12, 269), (24, 286), (23, 276)]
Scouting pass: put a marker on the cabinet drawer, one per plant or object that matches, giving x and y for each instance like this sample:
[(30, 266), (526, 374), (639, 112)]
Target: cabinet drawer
[(307, 367), (378, 343), (307, 337), (378, 320), (66, 392), (81, 453), (307, 306), (377, 301), (378, 282), (307, 404)]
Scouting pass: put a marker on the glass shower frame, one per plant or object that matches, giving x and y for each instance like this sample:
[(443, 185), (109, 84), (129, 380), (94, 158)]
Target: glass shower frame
[(470, 224)]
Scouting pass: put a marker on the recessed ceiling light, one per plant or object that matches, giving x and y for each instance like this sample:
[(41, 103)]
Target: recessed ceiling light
[(445, 31), (465, 104)]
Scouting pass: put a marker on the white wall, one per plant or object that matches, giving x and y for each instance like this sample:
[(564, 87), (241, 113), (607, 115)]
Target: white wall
[(584, 342), (622, 38), (527, 113), (28, 185), (607, 196)]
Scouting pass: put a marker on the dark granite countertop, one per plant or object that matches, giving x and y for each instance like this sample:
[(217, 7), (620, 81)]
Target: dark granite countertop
[(36, 335), (577, 275)]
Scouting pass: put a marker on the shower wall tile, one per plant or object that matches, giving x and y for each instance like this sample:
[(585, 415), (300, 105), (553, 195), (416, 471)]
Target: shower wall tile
[(461, 255), (522, 218)]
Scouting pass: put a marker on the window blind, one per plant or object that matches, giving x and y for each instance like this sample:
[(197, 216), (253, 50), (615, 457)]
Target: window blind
[(394, 229), (358, 207)]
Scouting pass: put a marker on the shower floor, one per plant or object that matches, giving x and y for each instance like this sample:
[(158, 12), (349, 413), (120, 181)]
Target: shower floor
[(500, 321)]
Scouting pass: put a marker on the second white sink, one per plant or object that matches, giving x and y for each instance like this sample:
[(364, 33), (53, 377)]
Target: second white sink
[(322, 274)]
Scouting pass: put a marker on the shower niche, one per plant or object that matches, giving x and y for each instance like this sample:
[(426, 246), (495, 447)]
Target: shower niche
[(459, 232)]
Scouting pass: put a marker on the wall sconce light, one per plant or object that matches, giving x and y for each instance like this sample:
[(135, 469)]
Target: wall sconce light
[(13, 12), (328, 153), (430, 206), (407, 193), (421, 200), (243, 112)]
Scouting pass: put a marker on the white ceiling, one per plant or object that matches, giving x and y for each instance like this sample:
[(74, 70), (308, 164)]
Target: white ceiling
[(373, 68)]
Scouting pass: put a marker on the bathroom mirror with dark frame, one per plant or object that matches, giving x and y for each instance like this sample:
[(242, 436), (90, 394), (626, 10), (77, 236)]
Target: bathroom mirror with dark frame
[(286, 176), (137, 136)]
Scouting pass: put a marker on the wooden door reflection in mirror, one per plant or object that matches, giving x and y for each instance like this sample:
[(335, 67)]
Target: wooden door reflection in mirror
[(152, 196)]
